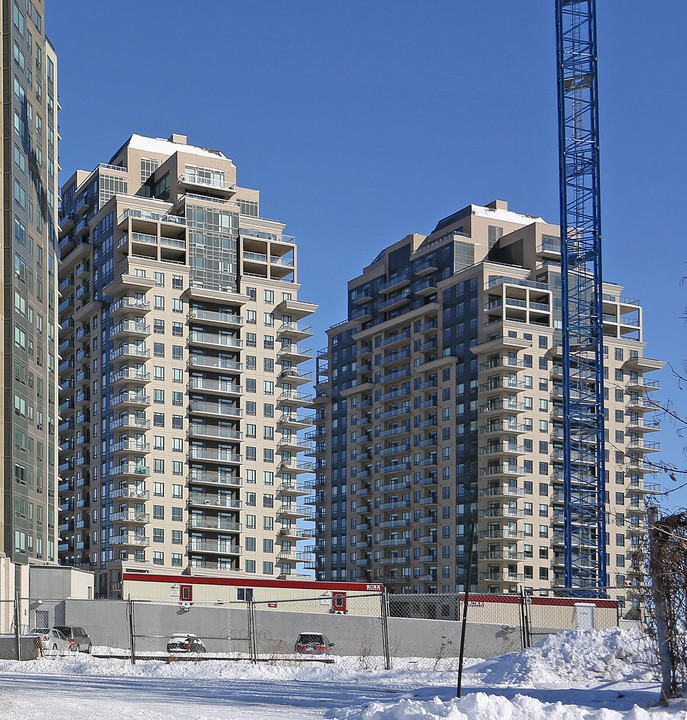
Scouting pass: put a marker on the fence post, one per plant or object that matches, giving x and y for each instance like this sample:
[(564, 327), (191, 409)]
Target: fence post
[(468, 581), (17, 628), (384, 602), (252, 639), (132, 636)]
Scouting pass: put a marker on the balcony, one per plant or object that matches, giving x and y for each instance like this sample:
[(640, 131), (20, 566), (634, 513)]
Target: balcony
[(217, 524), (295, 399), (212, 340), (129, 446), (501, 469), (294, 353), (294, 376), (503, 449), (296, 331), (207, 184), (215, 318), (502, 511), (198, 407), (130, 516), (214, 432), (130, 328), (130, 375), (217, 547), (130, 539), (294, 444), (219, 387), (127, 305), (503, 406), (130, 492), (502, 364), (295, 421), (214, 364), (214, 479), (130, 352), (214, 501), (130, 399), (129, 470), (294, 488), (207, 455), (502, 491), (291, 510), (130, 422), (296, 466)]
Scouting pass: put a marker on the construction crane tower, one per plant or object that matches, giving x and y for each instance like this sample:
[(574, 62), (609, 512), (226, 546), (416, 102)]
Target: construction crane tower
[(582, 310)]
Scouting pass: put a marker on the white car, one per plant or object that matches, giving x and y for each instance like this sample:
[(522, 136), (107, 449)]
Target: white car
[(52, 639)]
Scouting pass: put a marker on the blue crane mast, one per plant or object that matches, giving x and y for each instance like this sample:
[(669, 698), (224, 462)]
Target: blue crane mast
[(581, 281)]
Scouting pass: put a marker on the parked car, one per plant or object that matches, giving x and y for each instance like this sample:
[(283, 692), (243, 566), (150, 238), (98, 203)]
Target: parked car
[(312, 643), (77, 638), (51, 639), (185, 643)]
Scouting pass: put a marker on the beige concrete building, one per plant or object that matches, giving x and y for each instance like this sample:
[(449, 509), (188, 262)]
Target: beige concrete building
[(181, 344), (28, 405), (439, 400)]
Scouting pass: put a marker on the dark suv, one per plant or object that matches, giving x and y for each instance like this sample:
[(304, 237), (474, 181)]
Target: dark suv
[(78, 640)]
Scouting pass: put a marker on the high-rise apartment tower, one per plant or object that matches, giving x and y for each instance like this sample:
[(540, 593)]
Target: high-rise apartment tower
[(28, 480), (439, 402), (180, 339)]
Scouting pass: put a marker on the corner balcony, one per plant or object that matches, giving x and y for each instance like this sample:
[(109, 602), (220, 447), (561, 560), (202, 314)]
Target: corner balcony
[(293, 511), (501, 555), (293, 444), (128, 469), (129, 375), (294, 376), (130, 329), (212, 340), (130, 539), (294, 421), (130, 399), (508, 491), (296, 399), (294, 533), (507, 470), (296, 466), (131, 422), (503, 449), (130, 446), (129, 305), (503, 406), (130, 516), (130, 352), (294, 354), (502, 577), (296, 331), (502, 511), (207, 455), (295, 488), (130, 492), (295, 556), (643, 446), (214, 547), (219, 387)]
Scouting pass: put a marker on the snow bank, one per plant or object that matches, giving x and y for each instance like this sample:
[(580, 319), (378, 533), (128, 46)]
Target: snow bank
[(481, 706), (577, 655)]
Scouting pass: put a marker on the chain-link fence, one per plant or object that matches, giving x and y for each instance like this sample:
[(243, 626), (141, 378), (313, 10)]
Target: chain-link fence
[(367, 630)]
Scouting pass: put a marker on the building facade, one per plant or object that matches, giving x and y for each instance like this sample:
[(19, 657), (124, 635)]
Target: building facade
[(181, 345), (29, 298), (439, 401)]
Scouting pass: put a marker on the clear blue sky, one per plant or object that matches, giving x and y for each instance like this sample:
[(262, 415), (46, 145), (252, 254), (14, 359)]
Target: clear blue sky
[(364, 120)]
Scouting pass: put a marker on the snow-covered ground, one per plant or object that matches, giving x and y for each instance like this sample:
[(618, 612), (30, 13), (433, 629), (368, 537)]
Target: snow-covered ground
[(582, 675)]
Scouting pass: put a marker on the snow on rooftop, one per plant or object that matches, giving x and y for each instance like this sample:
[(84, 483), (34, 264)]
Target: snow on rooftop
[(505, 215), (166, 147)]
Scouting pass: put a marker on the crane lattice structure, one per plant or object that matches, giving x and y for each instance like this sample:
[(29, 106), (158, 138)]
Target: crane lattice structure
[(581, 280)]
